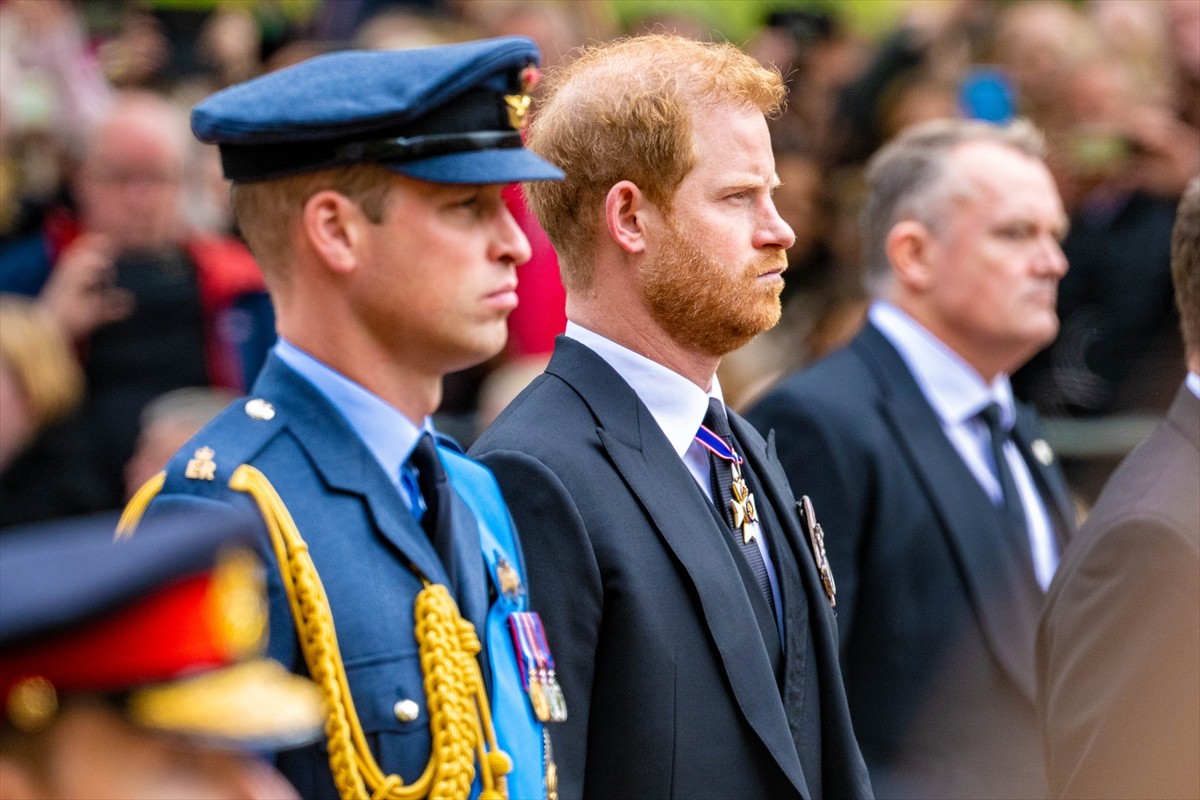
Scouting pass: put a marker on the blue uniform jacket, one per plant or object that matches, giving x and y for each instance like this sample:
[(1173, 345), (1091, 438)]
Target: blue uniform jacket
[(368, 550)]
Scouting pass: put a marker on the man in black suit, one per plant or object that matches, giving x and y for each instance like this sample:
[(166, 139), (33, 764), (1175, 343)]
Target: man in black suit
[(1118, 649), (694, 639), (941, 549)]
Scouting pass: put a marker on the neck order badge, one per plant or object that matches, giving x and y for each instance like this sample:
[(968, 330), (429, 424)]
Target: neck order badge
[(741, 499)]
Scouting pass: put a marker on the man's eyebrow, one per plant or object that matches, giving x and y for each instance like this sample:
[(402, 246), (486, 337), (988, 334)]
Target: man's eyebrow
[(744, 182)]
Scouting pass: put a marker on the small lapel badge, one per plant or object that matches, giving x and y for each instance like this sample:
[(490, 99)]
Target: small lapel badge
[(1042, 452), (201, 466), (259, 409), (816, 540), (509, 580)]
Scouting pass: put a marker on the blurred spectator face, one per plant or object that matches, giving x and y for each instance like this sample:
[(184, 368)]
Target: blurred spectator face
[(155, 446), (1036, 41), (94, 752), (1184, 18), (992, 270), (1097, 107), (798, 201), (130, 186), (167, 423), (917, 102)]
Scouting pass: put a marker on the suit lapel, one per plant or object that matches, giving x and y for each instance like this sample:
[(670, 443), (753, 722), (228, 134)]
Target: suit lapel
[(676, 508), (345, 463), (1003, 591)]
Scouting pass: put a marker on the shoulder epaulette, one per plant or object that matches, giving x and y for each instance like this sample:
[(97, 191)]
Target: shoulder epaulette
[(234, 437)]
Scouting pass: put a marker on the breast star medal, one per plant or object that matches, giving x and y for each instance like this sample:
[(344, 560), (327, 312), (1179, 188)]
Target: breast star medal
[(816, 540)]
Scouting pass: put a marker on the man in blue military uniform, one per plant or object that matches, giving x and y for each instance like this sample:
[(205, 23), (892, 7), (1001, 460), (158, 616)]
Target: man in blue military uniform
[(368, 186)]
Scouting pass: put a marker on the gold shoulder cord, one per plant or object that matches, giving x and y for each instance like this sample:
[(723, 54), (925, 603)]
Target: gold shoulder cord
[(460, 721)]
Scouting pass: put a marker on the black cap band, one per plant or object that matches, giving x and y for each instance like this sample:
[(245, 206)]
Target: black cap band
[(245, 163), (475, 120)]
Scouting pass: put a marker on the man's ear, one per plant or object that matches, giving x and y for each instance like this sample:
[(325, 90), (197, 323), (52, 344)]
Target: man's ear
[(909, 247), (624, 213), (335, 228)]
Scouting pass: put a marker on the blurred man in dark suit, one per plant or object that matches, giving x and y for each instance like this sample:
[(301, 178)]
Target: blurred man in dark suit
[(944, 508), (1119, 645)]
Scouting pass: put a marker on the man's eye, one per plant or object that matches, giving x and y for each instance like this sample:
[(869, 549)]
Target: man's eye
[(1016, 232)]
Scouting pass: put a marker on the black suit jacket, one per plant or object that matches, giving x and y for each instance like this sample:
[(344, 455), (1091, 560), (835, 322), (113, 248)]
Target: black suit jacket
[(937, 612), (1119, 644), (669, 686)]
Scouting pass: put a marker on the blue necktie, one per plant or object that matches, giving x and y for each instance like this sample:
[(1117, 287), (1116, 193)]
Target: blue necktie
[(1013, 511), (435, 497)]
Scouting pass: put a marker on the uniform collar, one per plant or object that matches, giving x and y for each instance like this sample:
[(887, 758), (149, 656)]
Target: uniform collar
[(388, 434)]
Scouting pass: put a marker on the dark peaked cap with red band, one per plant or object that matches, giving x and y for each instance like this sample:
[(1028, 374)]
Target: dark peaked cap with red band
[(172, 623), (446, 114)]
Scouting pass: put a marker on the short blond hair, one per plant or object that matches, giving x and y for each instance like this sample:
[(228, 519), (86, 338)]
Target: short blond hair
[(266, 210), (37, 352), (623, 110)]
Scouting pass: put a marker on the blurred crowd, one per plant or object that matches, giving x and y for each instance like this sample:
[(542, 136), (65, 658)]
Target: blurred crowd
[(124, 280)]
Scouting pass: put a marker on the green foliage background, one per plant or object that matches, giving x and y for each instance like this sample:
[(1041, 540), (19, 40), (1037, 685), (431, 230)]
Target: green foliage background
[(736, 20)]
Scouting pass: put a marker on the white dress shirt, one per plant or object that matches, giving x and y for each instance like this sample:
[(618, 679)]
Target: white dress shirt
[(957, 394), (678, 406)]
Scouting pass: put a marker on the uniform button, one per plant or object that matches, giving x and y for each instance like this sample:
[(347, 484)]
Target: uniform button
[(406, 710), (259, 409)]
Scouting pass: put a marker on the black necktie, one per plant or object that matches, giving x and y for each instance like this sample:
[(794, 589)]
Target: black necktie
[(1011, 506), (721, 472), (435, 491)]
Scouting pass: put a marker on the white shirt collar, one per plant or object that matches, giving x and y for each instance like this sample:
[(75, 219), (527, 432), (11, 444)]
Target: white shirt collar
[(1193, 382), (950, 384), (388, 434), (677, 404)]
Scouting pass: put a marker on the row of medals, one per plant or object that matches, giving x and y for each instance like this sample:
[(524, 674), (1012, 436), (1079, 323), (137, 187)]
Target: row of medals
[(546, 696)]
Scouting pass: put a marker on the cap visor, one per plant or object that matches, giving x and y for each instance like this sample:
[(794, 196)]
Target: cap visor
[(510, 165), (257, 705)]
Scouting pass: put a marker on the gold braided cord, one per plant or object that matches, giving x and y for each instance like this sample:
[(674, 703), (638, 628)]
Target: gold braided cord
[(459, 715), (137, 504)]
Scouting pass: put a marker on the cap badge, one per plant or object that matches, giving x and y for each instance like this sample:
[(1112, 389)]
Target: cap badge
[(259, 409), (236, 603), (1041, 451), (201, 467), (518, 108), (32, 702)]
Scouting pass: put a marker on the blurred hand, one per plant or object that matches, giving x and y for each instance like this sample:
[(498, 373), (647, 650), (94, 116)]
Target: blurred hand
[(1167, 155), (81, 293)]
